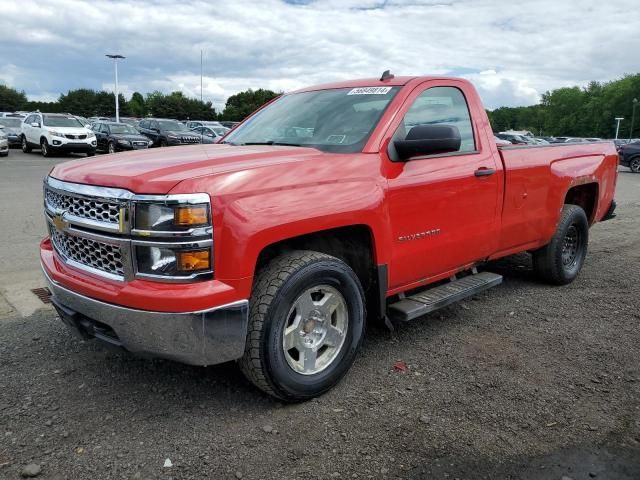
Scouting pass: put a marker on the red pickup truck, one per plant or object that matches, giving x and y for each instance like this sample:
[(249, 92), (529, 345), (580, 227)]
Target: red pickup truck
[(368, 199)]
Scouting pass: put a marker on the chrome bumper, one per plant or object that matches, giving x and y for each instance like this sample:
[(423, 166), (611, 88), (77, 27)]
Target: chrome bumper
[(197, 338)]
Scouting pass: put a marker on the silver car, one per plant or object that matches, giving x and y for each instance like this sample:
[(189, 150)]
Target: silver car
[(4, 143)]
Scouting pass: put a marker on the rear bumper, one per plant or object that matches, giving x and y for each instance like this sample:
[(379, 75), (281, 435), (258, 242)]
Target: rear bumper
[(204, 337)]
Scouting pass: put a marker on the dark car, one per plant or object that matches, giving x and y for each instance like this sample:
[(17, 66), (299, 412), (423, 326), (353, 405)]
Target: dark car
[(12, 128), (630, 156), (115, 137), (164, 132)]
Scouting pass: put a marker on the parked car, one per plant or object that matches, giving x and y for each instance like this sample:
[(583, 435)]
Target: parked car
[(500, 141), (191, 124), (166, 132), (215, 133), (630, 156), (83, 121), (115, 137), (13, 129), (4, 143), (513, 138), (56, 133), (228, 124), (385, 212)]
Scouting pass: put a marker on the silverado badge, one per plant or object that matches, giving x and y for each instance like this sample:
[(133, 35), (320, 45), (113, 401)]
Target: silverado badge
[(60, 223)]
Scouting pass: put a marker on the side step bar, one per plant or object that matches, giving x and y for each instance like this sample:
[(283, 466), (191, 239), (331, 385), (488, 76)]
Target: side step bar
[(435, 298)]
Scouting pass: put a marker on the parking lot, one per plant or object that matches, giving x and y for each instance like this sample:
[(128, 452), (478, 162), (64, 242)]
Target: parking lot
[(524, 381)]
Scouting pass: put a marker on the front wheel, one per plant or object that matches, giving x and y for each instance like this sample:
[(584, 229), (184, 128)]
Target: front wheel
[(44, 148), (634, 165), (25, 145), (306, 324), (112, 147), (163, 143), (561, 260)]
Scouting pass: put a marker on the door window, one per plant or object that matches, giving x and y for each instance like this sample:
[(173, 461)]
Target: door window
[(440, 106)]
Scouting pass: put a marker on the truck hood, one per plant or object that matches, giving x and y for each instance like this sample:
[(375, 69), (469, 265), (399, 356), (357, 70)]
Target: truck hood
[(157, 171)]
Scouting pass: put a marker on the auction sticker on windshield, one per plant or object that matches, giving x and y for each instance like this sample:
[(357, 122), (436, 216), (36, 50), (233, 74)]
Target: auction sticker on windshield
[(369, 91)]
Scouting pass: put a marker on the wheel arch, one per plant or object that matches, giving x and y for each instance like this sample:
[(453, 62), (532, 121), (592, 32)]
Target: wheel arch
[(353, 244), (585, 196)]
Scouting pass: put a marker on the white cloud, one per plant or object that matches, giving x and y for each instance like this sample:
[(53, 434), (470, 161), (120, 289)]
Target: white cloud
[(512, 50)]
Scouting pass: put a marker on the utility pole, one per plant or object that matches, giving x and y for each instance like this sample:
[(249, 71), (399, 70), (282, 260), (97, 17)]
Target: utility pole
[(633, 117), (115, 58), (200, 76), (618, 120)]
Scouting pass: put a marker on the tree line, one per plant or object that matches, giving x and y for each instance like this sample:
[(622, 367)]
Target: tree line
[(89, 103), (577, 112), (571, 111)]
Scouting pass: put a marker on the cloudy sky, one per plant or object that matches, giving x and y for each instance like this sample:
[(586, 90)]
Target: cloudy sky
[(512, 50)]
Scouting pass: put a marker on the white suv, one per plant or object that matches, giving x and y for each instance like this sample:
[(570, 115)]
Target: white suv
[(56, 132)]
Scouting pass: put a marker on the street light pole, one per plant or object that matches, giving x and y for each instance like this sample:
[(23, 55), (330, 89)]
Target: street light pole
[(633, 117), (618, 120), (115, 64)]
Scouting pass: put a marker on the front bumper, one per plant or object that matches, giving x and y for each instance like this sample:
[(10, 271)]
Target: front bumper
[(72, 147), (205, 337)]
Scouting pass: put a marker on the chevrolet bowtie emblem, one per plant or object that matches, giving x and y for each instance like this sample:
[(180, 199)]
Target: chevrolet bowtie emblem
[(59, 223)]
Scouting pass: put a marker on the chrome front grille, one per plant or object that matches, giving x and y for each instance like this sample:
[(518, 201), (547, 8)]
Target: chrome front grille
[(190, 139), (93, 229), (97, 255), (92, 209)]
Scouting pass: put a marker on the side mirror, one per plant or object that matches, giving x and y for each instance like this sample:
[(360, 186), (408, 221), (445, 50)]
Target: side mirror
[(35, 124), (428, 140)]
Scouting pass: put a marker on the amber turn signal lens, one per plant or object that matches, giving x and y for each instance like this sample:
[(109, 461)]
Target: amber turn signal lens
[(191, 261), (185, 216)]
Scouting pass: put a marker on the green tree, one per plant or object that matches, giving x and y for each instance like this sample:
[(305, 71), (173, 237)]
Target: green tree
[(137, 105), (11, 99), (240, 105)]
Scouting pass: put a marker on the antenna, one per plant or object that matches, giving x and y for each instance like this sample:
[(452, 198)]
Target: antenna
[(386, 75)]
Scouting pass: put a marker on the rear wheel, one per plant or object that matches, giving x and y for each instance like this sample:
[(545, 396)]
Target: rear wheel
[(306, 325), (634, 165), (44, 148), (25, 145), (561, 260)]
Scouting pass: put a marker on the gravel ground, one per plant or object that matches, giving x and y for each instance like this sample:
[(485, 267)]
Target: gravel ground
[(523, 381)]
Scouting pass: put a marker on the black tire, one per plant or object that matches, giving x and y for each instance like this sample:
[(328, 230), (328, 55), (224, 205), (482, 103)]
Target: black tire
[(25, 145), (44, 147), (276, 288), (111, 147), (163, 143), (561, 260), (634, 164)]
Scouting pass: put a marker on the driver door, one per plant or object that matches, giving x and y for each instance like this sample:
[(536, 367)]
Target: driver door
[(443, 207)]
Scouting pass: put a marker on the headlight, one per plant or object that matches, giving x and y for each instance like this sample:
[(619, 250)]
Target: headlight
[(174, 262), (172, 137), (3, 136), (158, 217), (56, 134), (124, 142), (91, 135)]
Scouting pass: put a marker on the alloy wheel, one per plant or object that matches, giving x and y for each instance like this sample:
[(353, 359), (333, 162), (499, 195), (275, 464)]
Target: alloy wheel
[(316, 329)]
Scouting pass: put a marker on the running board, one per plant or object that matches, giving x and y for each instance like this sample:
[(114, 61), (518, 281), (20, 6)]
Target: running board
[(435, 298)]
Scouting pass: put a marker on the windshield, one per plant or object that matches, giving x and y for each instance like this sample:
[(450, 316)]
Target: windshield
[(11, 122), (57, 121), (171, 125), (122, 128), (336, 120)]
